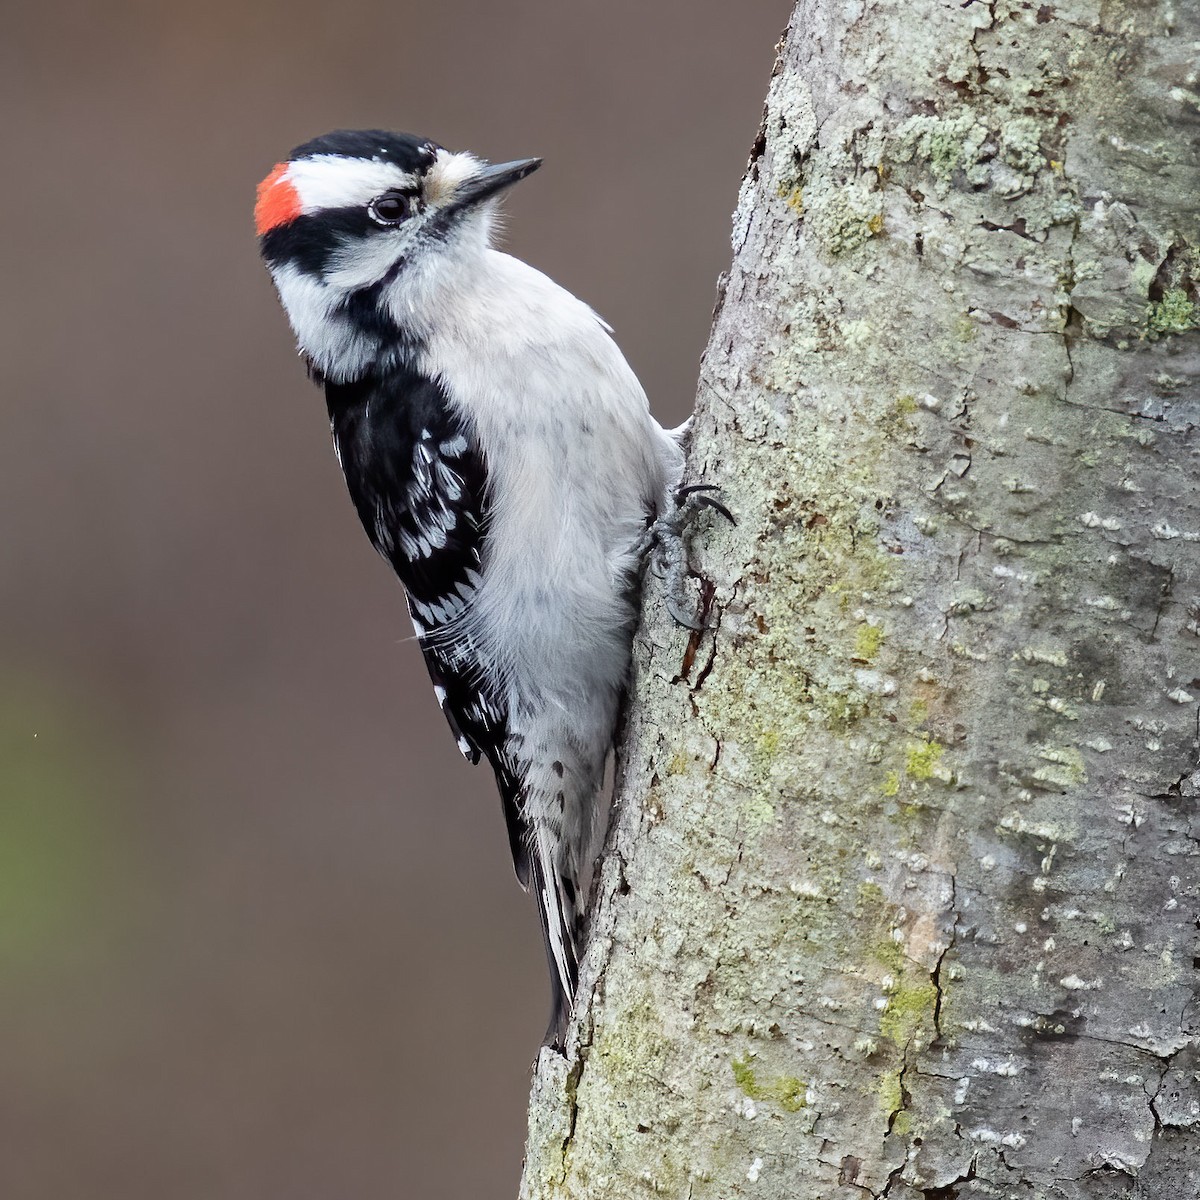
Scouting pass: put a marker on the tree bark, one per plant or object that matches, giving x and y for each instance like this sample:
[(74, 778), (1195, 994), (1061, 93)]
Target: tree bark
[(902, 889)]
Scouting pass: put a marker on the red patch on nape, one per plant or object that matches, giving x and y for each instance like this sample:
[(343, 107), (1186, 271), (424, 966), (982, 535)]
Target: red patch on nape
[(278, 201)]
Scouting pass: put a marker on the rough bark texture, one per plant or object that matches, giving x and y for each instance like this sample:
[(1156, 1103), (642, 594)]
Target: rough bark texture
[(901, 896)]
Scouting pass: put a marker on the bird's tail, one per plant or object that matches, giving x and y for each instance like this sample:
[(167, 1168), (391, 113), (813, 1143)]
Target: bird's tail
[(551, 810), (555, 886)]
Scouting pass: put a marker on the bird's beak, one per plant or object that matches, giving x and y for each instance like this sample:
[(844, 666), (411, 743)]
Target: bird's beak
[(493, 179)]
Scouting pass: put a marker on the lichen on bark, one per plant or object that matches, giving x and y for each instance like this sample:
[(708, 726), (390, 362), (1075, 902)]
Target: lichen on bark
[(902, 890)]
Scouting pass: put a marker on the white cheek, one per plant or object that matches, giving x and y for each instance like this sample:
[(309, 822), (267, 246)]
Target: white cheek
[(307, 302), (366, 262), (338, 350)]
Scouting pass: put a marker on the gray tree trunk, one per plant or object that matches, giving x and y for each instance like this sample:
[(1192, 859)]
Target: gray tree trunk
[(902, 892)]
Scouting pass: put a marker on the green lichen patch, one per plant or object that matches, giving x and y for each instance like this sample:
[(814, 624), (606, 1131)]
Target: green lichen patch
[(1172, 288), (922, 762), (1174, 313), (964, 329), (841, 708), (921, 759), (1020, 140), (891, 1099), (909, 1008), (843, 218), (946, 144), (993, 140), (768, 743), (867, 640), (910, 993), (787, 1092)]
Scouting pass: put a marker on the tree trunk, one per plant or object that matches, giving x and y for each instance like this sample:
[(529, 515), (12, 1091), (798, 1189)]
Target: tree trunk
[(902, 888)]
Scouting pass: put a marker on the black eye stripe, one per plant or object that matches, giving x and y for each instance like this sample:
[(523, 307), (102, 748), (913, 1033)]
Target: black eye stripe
[(310, 241)]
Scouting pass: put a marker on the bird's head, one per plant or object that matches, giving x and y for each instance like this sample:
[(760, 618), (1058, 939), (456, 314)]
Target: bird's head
[(360, 228)]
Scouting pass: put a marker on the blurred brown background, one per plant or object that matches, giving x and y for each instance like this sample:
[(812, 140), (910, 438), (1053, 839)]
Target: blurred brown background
[(259, 933)]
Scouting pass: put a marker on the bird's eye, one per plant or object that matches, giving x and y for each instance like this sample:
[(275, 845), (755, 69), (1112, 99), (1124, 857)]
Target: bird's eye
[(392, 208)]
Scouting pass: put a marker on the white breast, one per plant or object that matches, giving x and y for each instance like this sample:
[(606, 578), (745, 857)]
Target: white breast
[(575, 463)]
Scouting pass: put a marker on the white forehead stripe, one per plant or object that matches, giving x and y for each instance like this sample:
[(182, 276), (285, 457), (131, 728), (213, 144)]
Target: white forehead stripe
[(331, 181)]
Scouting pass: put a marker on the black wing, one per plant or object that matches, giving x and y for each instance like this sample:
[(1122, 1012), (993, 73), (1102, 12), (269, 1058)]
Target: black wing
[(419, 486)]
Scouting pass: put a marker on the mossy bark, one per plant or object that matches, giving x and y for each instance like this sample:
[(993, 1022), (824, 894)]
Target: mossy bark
[(902, 891)]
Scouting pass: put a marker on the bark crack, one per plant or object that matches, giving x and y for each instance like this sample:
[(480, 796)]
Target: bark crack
[(950, 1189), (936, 974)]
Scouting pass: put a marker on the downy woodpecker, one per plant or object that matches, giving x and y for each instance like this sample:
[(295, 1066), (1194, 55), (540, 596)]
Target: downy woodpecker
[(502, 458)]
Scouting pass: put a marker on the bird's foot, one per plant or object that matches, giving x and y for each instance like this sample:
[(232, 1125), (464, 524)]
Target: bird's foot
[(664, 546)]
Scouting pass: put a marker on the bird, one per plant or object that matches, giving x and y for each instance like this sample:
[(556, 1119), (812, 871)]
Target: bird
[(502, 458)]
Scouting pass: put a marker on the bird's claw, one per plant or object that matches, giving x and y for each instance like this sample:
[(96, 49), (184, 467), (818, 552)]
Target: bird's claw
[(682, 619), (717, 506), (663, 542), (695, 495)]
